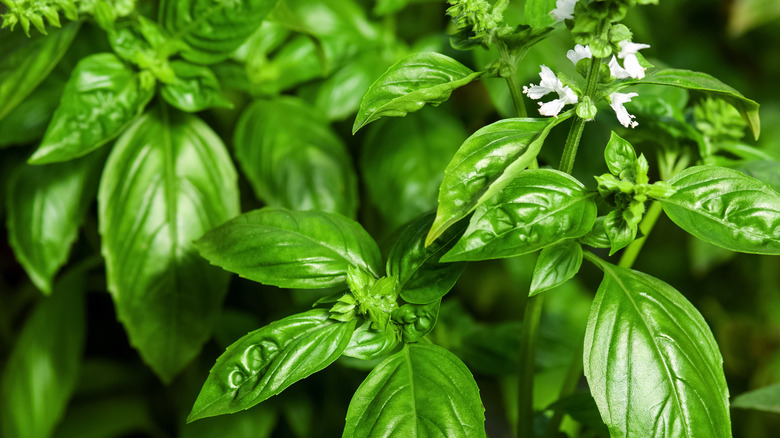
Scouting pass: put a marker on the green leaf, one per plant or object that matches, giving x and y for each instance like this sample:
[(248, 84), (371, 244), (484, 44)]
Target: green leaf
[(294, 159), (597, 237), (108, 417), (416, 320), (537, 13), (212, 29), (421, 277), (707, 84), (620, 158), (766, 171), (43, 367), (417, 147), (311, 249), (46, 206), (158, 282), (765, 399), (651, 362), (485, 163), (419, 79), (27, 61), (421, 391), (539, 208), (28, 121), (258, 422), (727, 208), (195, 89), (369, 343), (556, 265), (102, 97), (619, 232), (266, 361)]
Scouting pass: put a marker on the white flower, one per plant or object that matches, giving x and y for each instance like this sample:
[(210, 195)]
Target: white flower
[(579, 53), (616, 102), (550, 83), (628, 51), (564, 10), (616, 70)]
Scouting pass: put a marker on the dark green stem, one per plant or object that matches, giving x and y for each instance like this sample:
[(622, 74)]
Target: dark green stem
[(531, 317), (578, 125), (508, 71)]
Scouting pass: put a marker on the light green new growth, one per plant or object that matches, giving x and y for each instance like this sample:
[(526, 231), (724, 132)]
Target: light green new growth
[(477, 14)]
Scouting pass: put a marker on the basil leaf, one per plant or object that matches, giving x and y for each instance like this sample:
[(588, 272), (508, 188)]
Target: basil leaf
[(537, 13), (106, 417), (619, 232), (485, 163), (556, 265), (416, 320), (46, 206), (420, 275), (419, 79), (368, 343), (651, 362), (196, 88), (266, 361), (766, 171), (43, 367), (212, 30), (418, 148), (423, 390), (311, 249), (293, 159), (620, 158), (158, 282), (258, 422), (766, 399), (27, 61), (597, 237), (28, 121), (727, 208), (705, 83), (102, 97), (540, 207)]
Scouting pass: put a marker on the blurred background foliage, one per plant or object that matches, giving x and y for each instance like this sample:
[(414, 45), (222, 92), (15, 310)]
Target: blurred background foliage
[(398, 162)]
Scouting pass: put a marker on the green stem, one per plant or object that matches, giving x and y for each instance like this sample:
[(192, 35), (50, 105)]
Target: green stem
[(578, 125), (573, 375), (645, 227), (531, 317), (508, 71)]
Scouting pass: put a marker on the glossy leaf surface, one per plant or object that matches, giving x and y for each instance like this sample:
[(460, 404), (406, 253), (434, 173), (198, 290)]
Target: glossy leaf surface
[(423, 279), (28, 121), (538, 208), (46, 206), (411, 83), (417, 147), (43, 367), (727, 208), (556, 265), (27, 61), (212, 29), (312, 249), (486, 162), (421, 391), (266, 361), (102, 97), (158, 281), (651, 362), (195, 89), (369, 343), (293, 159)]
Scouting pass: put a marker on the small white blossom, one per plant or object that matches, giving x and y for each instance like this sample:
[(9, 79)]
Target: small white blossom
[(564, 10), (579, 53), (617, 100), (628, 51), (550, 83), (616, 70)]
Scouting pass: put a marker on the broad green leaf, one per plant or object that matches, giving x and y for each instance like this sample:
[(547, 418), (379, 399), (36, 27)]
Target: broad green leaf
[(369, 343), (416, 320), (765, 399), (108, 417), (539, 208), (597, 237), (258, 422), (705, 83), (266, 361), (419, 79), (102, 97), (485, 163), (620, 157), (43, 367), (294, 63), (727, 208), (28, 121), (766, 171), (27, 61), (421, 391), (195, 89), (537, 13), (417, 147), (421, 277), (651, 362), (311, 249), (46, 206), (168, 180), (213, 29), (293, 159), (618, 231), (556, 265)]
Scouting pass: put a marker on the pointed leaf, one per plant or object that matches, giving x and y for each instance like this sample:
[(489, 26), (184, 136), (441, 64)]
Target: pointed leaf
[(196, 88), (419, 79), (167, 181), (556, 265), (540, 207), (651, 362), (421, 391), (310, 249), (620, 157), (727, 208), (765, 399), (266, 361), (370, 343), (102, 97)]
